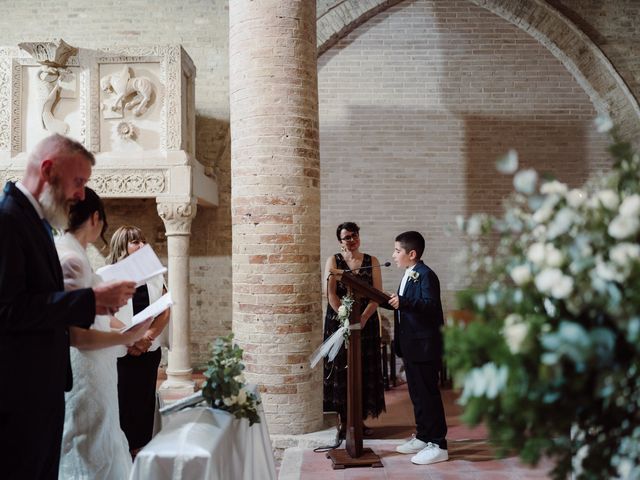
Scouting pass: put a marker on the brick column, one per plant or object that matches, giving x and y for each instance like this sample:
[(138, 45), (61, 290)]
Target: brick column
[(275, 201)]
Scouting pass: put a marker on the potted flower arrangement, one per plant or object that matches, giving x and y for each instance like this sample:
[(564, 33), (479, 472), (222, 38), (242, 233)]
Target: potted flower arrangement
[(551, 361), (225, 386)]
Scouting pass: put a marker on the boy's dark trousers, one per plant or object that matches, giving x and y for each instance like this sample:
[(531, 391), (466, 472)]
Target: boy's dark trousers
[(422, 379)]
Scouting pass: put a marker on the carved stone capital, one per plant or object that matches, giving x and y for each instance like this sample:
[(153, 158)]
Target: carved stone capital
[(177, 216)]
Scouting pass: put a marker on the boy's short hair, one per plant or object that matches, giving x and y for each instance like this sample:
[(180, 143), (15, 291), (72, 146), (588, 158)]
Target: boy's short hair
[(412, 241)]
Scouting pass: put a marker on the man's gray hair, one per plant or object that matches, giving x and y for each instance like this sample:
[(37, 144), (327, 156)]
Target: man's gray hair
[(58, 145)]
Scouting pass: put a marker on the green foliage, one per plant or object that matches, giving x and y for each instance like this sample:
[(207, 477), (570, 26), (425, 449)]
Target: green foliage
[(225, 386), (551, 361)]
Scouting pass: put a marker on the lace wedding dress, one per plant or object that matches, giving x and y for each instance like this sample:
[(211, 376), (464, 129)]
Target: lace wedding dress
[(93, 445)]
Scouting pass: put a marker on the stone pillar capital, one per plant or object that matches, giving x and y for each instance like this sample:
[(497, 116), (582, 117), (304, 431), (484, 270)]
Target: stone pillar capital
[(177, 215)]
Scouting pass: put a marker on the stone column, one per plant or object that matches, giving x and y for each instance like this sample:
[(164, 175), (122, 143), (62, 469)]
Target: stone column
[(177, 215), (275, 201)]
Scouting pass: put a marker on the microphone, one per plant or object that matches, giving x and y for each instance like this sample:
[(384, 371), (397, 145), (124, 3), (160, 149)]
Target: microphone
[(385, 264)]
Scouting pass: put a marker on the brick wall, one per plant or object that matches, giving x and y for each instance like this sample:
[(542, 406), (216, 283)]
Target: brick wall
[(613, 26), (427, 90), (416, 105)]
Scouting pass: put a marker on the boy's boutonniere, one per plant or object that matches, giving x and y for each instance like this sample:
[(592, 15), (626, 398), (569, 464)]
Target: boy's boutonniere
[(413, 275)]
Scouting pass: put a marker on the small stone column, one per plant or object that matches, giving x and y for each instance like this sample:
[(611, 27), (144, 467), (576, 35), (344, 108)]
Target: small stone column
[(177, 216), (275, 203)]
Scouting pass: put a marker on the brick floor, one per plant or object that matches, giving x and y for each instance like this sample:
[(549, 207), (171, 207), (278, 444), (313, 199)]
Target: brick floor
[(470, 456)]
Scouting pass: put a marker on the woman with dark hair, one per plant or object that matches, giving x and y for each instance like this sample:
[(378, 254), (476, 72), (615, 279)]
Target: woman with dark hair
[(93, 445), (367, 268), (138, 370)]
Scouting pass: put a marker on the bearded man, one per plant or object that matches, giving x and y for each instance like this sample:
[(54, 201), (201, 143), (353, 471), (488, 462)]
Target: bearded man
[(35, 312)]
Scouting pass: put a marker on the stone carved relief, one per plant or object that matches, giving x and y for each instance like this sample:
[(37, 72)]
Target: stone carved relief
[(132, 93), (5, 99), (177, 216), (57, 81), (136, 182)]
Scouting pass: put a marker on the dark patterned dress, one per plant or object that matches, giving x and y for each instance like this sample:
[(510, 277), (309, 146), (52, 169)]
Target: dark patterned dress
[(335, 373)]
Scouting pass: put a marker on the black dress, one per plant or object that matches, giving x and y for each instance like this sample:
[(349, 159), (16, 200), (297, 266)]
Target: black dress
[(137, 377), (335, 373)]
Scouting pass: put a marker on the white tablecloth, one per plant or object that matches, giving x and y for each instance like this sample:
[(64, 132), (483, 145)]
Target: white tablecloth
[(204, 443)]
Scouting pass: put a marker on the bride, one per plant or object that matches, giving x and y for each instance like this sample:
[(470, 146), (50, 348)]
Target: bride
[(93, 445)]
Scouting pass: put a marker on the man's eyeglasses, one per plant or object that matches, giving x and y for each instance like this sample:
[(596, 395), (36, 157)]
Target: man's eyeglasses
[(349, 238)]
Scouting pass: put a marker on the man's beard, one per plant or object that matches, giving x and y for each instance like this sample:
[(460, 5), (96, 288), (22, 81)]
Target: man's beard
[(54, 206)]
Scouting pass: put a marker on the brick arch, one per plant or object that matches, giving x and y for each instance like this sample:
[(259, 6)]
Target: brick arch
[(581, 57)]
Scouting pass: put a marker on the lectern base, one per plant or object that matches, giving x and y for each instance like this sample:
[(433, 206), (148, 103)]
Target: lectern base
[(342, 459)]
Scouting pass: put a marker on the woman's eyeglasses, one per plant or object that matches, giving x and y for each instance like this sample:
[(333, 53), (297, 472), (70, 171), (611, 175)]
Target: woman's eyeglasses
[(350, 238)]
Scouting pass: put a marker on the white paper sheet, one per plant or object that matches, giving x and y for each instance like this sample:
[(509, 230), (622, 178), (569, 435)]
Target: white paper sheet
[(138, 267), (153, 310)]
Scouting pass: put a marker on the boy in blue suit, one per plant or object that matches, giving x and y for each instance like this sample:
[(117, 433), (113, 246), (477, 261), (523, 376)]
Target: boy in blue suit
[(418, 319)]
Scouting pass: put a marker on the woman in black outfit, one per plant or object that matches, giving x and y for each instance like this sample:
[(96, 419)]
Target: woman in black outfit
[(138, 370), (367, 268)]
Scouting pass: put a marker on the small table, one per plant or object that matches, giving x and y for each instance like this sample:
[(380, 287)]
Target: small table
[(205, 443)]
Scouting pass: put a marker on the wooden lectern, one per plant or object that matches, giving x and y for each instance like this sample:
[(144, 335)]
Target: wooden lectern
[(354, 455)]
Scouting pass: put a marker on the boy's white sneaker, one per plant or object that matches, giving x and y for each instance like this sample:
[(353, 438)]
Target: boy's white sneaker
[(431, 453), (412, 446)]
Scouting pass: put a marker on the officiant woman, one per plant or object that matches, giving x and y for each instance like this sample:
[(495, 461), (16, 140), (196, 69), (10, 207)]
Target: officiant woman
[(138, 369), (367, 268)]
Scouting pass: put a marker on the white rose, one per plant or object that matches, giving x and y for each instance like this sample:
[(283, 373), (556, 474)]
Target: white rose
[(607, 271), (242, 396), (562, 288), (525, 181), (630, 206), (521, 274), (536, 253), (549, 188), (239, 378), (228, 401), (624, 253), (543, 214), (508, 164), (545, 211), (603, 123), (460, 222), (474, 226), (608, 198), (539, 232), (547, 278), (623, 227), (515, 331), (342, 311), (487, 380), (552, 256), (576, 197), (562, 222)]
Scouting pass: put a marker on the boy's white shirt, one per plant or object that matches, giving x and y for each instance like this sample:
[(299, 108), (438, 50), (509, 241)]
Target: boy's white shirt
[(403, 283)]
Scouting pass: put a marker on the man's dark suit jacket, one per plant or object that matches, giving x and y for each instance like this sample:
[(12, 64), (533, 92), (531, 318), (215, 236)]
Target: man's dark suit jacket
[(34, 309), (417, 323)]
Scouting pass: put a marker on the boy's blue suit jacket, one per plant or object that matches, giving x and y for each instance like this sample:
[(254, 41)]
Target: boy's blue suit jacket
[(418, 321)]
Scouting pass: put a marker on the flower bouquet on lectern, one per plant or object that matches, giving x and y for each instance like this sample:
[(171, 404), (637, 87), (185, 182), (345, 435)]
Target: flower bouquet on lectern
[(225, 387), (551, 359)]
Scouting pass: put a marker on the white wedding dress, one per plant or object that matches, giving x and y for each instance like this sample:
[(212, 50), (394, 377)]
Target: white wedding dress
[(93, 445)]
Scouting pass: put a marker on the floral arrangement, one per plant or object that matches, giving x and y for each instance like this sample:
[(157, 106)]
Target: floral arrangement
[(332, 345), (551, 361), (344, 312), (413, 275), (225, 386)]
